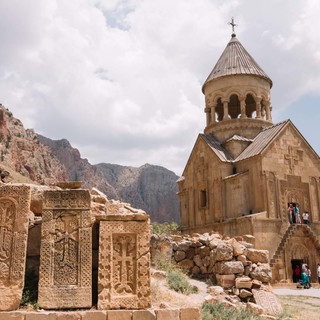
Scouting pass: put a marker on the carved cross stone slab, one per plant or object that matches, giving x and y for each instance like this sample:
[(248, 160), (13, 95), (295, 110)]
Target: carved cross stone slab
[(268, 301), (124, 264), (66, 250), (14, 209)]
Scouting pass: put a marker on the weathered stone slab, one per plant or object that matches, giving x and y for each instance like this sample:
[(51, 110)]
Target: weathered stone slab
[(119, 315), (189, 314), (12, 316), (94, 315), (256, 256), (14, 209), (41, 316), (226, 281), (168, 314), (124, 265), (268, 301), (66, 253), (143, 315)]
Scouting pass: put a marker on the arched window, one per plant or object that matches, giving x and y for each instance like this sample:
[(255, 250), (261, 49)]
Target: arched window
[(234, 107), (250, 106), (219, 110)]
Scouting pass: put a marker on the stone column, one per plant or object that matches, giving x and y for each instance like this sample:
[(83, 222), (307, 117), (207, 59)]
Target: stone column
[(213, 113), (268, 111), (14, 221), (207, 111), (258, 108), (243, 108), (66, 250), (225, 110), (124, 262)]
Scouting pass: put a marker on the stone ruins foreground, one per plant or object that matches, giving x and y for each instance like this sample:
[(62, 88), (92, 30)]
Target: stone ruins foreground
[(89, 251)]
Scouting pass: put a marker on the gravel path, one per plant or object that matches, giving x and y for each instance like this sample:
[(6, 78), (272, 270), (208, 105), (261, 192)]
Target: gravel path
[(312, 292)]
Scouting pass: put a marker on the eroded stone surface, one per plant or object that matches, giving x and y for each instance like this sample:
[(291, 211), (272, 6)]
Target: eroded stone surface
[(268, 301), (124, 265), (14, 209), (66, 253)]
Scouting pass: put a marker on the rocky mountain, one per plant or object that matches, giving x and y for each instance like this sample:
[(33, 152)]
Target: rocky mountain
[(45, 161)]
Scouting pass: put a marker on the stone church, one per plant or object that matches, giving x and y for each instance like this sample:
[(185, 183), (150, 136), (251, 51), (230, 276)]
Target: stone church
[(244, 170)]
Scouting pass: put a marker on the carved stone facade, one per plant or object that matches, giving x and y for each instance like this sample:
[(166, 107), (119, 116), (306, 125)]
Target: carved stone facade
[(66, 250), (244, 170), (14, 220), (124, 263)]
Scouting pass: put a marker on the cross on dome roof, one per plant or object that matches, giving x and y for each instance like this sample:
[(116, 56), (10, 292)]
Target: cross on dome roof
[(233, 25)]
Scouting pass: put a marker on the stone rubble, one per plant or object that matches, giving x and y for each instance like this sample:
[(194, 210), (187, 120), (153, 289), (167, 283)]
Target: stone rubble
[(234, 267)]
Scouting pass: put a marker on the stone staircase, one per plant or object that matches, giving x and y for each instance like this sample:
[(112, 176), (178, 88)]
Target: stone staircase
[(289, 232)]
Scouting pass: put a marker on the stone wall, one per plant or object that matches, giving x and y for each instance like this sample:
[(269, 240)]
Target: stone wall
[(238, 272), (158, 314)]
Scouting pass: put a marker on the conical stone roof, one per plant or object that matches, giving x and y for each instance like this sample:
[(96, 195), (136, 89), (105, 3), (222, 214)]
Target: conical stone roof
[(235, 60)]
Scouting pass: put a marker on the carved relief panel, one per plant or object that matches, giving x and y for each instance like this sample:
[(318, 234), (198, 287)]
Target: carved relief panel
[(124, 265), (14, 210), (66, 253)]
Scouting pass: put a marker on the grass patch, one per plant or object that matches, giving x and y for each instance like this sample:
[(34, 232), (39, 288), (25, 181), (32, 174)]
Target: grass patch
[(218, 311), (166, 228), (178, 281)]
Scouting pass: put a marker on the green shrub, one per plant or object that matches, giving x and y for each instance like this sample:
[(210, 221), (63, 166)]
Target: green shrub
[(166, 228), (218, 311), (179, 282)]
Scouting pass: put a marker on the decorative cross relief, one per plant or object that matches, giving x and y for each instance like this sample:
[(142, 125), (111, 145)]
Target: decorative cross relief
[(124, 262), (291, 156), (14, 210), (65, 278), (124, 265)]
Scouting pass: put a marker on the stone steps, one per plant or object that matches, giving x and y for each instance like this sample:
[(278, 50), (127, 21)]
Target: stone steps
[(287, 235)]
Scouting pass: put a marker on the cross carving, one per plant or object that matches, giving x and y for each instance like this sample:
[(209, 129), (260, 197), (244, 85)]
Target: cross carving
[(291, 156), (124, 257)]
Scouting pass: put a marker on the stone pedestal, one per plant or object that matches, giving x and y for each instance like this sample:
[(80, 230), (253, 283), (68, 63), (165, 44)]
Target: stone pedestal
[(14, 209), (124, 262), (65, 279)]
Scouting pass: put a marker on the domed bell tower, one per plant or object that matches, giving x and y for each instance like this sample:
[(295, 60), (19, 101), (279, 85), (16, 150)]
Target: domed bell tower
[(237, 95)]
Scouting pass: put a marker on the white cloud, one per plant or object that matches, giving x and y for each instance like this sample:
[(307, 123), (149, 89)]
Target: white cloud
[(121, 80)]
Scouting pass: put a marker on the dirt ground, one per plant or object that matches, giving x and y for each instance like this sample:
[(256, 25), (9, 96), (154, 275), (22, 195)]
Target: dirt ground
[(300, 307)]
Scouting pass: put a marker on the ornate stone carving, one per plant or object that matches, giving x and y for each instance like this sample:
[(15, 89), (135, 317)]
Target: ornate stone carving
[(124, 264), (14, 209), (66, 254), (268, 301)]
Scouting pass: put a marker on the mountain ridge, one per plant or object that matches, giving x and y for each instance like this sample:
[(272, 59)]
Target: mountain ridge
[(45, 161)]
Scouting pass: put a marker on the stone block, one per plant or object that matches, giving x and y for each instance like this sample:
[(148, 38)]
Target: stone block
[(244, 293), (65, 277), (257, 256), (189, 314), (119, 315), (229, 267), (143, 315), (68, 316), (186, 264), (168, 314), (41, 316), (243, 283), (226, 281), (124, 264), (179, 255), (12, 316), (223, 252), (261, 272), (94, 315), (14, 209)]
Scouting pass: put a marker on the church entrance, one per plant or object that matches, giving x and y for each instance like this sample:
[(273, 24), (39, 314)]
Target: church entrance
[(296, 269)]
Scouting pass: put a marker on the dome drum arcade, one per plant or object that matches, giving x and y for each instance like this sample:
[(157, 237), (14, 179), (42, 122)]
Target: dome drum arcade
[(237, 88)]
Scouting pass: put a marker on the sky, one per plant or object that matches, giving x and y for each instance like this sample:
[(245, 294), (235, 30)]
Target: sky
[(121, 79)]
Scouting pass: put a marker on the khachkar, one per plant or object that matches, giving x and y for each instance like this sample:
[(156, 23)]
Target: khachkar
[(14, 209), (124, 262), (66, 254)]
